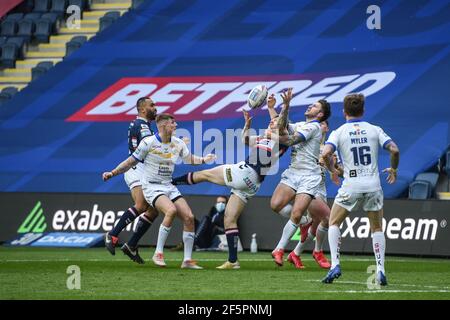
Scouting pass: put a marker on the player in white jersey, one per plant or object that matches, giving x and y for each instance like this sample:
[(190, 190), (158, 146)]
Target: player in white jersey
[(302, 180), (159, 154), (358, 142)]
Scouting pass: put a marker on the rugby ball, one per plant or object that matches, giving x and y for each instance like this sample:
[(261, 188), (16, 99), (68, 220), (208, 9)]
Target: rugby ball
[(257, 96)]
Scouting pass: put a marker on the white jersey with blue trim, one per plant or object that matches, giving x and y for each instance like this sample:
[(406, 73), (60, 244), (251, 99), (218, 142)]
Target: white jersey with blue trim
[(357, 142), (159, 158), (305, 155)]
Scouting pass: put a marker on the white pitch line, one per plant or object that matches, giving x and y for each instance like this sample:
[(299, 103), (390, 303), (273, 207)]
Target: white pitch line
[(380, 291)]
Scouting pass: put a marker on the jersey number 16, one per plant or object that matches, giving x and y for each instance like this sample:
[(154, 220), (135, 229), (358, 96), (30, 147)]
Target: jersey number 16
[(361, 155)]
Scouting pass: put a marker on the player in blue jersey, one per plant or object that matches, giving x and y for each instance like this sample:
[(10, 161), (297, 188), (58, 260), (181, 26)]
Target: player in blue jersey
[(244, 179), (358, 143), (138, 130)]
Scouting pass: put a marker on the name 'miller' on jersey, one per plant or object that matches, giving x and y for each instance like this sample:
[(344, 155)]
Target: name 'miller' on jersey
[(358, 142), (159, 158), (202, 98)]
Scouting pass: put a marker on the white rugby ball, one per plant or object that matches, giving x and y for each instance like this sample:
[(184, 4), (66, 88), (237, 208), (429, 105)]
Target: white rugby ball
[(257, 97)]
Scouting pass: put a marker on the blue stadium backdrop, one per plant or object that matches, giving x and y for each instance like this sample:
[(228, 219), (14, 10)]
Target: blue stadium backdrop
[(198, 60)]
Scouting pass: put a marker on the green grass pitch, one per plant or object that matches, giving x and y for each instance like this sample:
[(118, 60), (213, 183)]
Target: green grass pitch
[(41, 273)]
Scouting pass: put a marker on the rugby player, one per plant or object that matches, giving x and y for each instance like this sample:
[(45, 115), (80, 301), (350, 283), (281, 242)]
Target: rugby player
[(159, 154), (137, 130), (358, 142)]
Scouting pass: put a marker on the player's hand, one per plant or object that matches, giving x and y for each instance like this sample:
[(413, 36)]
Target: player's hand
[(209, 158), (247, 117), (287, 97), (186, 140), (392, 175), (272, 135), (107, 175), (271, 101), (334, 176)]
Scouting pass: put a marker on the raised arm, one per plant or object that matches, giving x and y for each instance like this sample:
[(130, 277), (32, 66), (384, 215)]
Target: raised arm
[(124, 166), (282, 121), (271, 102), (245, 136), (395, 159), (196, 160)]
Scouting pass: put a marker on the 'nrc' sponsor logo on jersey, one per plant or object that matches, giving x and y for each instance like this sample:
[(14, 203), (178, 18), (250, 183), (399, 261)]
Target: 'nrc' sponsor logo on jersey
[(202, 98)]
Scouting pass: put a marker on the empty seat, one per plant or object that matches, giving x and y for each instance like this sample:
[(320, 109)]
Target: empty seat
[(3, 40), (59, 7), (431, 178), (54, 19), (9, 55), (113, 14), (14, 16), (21, 45), (43, 30), (79, 39), (419, 189), (10, 91), (26, 29), (105, 22), (41, 6), (45, 65), (82, 4), (9, 28), (34, 16)]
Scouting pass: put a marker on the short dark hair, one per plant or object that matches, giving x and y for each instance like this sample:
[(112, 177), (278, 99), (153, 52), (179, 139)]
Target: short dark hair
[(326, 121), (326, 109), (164, 116), (225, 197), (354, 104), (140, 102)]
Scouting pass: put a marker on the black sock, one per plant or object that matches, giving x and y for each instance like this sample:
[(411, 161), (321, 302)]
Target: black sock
[(232, 240), (127, 218), (184, 179), (142, 226)]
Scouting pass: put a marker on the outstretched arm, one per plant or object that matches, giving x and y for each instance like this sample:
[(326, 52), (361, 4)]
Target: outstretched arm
[(282, 121), (121, 168), (271, 102), (395, 159), (328, 159), (245, 136)]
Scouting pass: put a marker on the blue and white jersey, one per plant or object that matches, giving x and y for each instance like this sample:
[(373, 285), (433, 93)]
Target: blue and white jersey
[(138, 130), (159, 158), (357, 142)]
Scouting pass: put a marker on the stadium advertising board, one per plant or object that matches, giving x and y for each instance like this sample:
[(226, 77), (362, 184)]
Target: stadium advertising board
[(411, 227)]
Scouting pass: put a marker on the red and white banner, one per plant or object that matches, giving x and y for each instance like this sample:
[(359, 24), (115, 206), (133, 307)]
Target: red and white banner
[(203, 98)]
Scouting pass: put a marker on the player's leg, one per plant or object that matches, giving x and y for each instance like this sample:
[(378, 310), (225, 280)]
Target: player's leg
[(214, 175), (185, 214), (140, 205), (164, 205), (373, 205), (321, 213), (281, 197), (337, 216), (301, 203), (233, 210)]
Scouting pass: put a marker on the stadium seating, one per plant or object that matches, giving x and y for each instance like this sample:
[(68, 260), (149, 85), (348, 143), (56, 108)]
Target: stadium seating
[(41, 6), (20, 44), (419, 190), (40, 69), (447, 163), (7, 93), (26, 29), (43, 30), (59, 7), (54, 19), (8, 28), (10, 53), (74, 44), (14, 17)]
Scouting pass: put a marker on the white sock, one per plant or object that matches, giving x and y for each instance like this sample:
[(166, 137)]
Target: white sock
[(379, 246), (320, 237), (301, 245), (162, 237), (334, 240), (288, 231), (188, 240), (286, 211)]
